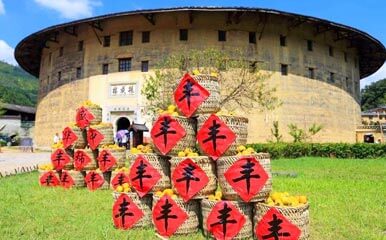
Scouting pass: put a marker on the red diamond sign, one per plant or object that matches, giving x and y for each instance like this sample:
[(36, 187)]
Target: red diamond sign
[(94, 180), (168, 216), (83, 117), (247, 177), (49, 179), (215, 137), (120, 179), (66, 180), (166, 133), (189, 95), (69, 137), (143, 176), (59, 158), (94, 137), (125, 212), (81, 159), (106, 160), (189, 178), (275, 226), (225, 221)]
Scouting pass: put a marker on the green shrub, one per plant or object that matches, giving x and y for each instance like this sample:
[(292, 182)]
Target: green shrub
[(334, 150)]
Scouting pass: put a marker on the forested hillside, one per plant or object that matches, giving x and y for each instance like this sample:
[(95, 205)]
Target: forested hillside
[(374, 95)]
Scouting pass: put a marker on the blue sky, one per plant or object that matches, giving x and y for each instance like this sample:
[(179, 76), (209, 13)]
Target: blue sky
[(19, 18)]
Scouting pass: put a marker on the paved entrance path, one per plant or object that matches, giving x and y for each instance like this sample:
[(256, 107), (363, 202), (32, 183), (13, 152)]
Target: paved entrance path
[(13, 162)]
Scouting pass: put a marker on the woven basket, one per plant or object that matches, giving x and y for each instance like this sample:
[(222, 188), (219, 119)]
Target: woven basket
[(224, 163), (81, 142), (70, 164), (78, 178), (188, 141), (107, 132), (119, 155), (106, 176), (163, 167), (42, 172), (192, 208), (212, 103), (244, 208), (144, 203), (298, 216), (97, 112), (113, 174), (239, 125), (208, 166), (93, 156)]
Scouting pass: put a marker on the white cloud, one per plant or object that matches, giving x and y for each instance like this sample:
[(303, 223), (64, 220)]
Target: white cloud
[(71, 9), (2, 9), (6, 53), (380, 74)]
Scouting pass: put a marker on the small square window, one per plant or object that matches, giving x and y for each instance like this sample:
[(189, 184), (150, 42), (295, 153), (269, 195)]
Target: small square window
[(59, 76), (252, 37), (105, 68), (124, 65), (284, 69), (125, 38), (332, 77), (144, 66), (78, 72), (80, 46), (145, 37), (106, 41), (283, 41), (310, 45), (61, 50), (222, 36), (311, 73), (345, 56), (330, 51), (183, 34)]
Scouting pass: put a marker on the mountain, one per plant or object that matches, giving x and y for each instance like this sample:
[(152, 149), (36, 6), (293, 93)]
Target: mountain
[(17, 86)]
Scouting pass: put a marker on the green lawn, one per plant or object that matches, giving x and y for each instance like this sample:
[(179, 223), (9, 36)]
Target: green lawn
[(347, 198)]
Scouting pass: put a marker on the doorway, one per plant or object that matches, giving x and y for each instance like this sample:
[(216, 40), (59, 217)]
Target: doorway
[(123, 123)]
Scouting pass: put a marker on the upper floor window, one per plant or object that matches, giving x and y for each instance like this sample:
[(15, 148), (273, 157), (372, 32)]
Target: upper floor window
[(106, 41), (284, 69), (222, 36), (311, 73), (105, 68), (283, 41), (332, 77), (330, 51), (252, 37), (310, 45), (124, 64), (59, 76), (145, 66), (80, 46), (146, 37), (78, 72), (61, 50), (125, 38), (183, 34)]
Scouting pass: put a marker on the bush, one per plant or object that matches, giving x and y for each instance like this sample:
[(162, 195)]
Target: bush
[(334, 150)]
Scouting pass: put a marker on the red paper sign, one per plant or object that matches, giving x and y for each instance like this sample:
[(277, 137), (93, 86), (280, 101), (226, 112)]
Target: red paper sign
[(120, 179), (59, 158), (168, 216), (215, 137), (125, 212), (143, 176), (66, 180), (69, 137), (94, 137), (81, 159), (83, 117), (106, 160), (49, 179), (189, 95), (225, 221), (247, 177), (94, 180), (189, 178), (274, 226), (166, 133)]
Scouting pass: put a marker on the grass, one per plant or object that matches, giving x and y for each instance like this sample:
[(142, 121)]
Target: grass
[(347, 198)]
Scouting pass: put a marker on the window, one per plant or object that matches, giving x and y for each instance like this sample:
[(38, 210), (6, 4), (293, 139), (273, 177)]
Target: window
[(222, 36), (330, 51), (146, 37), (252, 37), (78, 72), (80, 46), (284, 69), (310, 45), (283, 41), (126, 38), (61, 50), (183, 34), (145, 66), (311, 73), (332, 77), (347, 82), (106, 41), (105, 68), (345, 56), (124, 65), (59, 76)]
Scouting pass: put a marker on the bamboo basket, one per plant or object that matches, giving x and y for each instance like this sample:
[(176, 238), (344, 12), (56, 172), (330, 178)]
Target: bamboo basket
[(212, 103), (119, 155), (81, 142), (144, 203), (208, 166), (97, 112), (244, 208), (113, 174), (163, 167), (70, 164), (42, 172), (106, 176), (93, 156), (298, 216), (188, 141), (192, 208), (78, 178), (106, 129), (224, 163), (239, 125)]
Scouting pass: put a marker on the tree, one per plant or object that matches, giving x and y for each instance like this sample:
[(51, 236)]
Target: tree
[(373, 95), (243, 85), (301, 135), (275, 131)]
